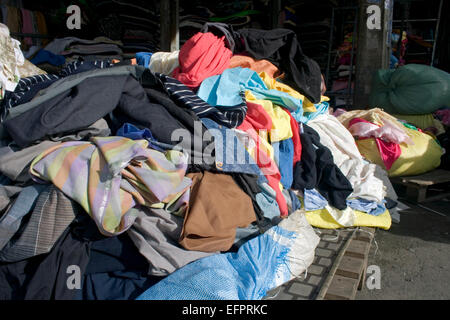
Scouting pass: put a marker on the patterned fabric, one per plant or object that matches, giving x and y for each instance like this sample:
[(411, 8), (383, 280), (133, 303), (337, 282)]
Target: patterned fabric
[(185, 97), (52, 214), (110, 175)]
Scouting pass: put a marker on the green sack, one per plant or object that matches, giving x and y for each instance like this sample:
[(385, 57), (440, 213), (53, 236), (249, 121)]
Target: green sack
[(410, 89)]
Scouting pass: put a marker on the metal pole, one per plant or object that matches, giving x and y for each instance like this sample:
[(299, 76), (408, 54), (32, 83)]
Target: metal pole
[(436, 33), (330, 45)]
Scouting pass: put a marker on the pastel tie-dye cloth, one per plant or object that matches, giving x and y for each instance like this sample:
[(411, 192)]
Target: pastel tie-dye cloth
[(108, 176)]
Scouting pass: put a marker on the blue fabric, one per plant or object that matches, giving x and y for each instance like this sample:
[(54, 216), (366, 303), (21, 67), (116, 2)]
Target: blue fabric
[(258, 266), (284, 158), (313, 200), (46, 56), (226, 89), (230, 153), (296, 203), (321, 108), (130, 131), (371, 207), (10, 221), (143, 58), (268, 205)]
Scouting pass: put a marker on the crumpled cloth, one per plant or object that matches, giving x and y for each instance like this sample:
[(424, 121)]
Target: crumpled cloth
[(108, 176), (202, 56)]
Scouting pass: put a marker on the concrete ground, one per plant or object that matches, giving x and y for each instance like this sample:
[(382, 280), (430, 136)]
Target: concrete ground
[(413, 256)]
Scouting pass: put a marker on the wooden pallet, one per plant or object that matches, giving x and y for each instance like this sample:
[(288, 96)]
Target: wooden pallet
[(417, 186), (348, 273)]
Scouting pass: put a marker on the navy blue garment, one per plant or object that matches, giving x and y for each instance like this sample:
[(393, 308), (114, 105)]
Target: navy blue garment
[(117, 285), (46, 56), (284, 158), (131, 132)]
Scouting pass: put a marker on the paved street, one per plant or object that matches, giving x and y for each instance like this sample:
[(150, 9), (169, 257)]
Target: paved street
[(413, 256)]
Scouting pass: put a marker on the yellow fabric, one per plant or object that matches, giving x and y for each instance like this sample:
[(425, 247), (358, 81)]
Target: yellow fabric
[(423, 121), (281, 122), (271, 83), (322, 219), (423, 156), (308, 105)]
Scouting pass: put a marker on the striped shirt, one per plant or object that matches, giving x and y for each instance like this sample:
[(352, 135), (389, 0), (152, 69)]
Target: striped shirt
[(186, 98)]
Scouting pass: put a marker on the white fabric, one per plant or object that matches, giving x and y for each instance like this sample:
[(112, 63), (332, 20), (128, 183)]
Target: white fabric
[(347, 157), (303, 246), (11, 58), (164, 62)]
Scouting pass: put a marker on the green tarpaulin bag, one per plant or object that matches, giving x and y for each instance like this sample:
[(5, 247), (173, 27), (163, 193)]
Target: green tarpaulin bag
[(410, 89)]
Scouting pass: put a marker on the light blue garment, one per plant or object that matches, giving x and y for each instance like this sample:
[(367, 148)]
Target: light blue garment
[(321, 108), (10, 221), (259, 265), (227, 89), (284, 158), (268, 205), (143, 58), (313, 200), (371, 207)]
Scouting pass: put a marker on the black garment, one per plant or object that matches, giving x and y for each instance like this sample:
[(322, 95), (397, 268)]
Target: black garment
[(222, 29), (153, 109), (27, 88), (74, 109), (317, 170), (186, 98), (281, 47), (45, 277)]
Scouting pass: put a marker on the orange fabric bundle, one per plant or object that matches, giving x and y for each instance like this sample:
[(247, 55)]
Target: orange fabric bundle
[(255, 65)]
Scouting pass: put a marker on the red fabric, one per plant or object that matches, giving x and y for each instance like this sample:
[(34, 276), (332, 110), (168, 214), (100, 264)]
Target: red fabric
[(296, 139), (255, 119), (258, 117), (202, 56), (389, 151)]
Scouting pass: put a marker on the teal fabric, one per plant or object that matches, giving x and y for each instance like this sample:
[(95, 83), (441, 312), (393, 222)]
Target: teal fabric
[(227, 89)]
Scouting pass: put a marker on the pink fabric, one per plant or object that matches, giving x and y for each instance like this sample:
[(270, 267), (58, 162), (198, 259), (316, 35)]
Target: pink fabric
[(202, 56), (389, 151), (27, 25), (388, 132), (268, 167)]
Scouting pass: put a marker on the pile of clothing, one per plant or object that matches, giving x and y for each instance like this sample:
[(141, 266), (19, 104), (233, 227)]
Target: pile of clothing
[(195, 177)]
